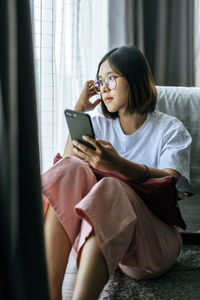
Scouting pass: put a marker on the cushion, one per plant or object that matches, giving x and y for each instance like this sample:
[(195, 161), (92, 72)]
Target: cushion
[(159, 194)]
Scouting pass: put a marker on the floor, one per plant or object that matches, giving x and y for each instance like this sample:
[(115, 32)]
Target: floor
[(181, 283), (69, 279)]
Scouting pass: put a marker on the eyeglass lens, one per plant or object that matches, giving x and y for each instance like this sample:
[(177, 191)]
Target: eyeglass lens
[(110, 82)]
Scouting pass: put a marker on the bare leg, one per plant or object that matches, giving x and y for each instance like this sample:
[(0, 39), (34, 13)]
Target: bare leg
[(92, 274), (58, 247)]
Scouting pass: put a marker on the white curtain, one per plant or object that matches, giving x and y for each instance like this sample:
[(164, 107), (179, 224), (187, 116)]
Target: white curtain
[(70, 37)]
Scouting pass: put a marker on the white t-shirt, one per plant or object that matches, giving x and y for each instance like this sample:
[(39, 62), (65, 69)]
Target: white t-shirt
[(161, 142)]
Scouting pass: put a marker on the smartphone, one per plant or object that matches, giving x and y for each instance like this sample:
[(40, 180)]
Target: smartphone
[(79, 124)]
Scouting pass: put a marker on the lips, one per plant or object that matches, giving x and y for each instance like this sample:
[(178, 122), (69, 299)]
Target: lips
[(108, 99)]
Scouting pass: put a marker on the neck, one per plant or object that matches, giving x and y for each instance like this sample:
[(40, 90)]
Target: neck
[(131, 123)]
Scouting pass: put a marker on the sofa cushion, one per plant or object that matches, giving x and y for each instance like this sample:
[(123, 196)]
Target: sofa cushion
[(184, 103), (190, 209)]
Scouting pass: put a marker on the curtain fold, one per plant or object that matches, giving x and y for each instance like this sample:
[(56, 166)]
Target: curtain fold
[(164, 31), (23, 272), (197, 41), (120, 23)]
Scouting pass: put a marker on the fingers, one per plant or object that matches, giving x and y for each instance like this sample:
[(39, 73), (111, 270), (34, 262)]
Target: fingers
[(98, 144), (91, 141), (91, 92), (103, 142), (82, 150), (101, 158), (89, 83), (88, 87), (88, 92), (79, 153), (96, 102)]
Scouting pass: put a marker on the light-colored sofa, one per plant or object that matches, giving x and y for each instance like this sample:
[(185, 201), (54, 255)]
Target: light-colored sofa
[(184, 103)]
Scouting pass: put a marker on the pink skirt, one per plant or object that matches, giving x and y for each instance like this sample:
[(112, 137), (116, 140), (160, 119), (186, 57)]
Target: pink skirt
[(129, 235)]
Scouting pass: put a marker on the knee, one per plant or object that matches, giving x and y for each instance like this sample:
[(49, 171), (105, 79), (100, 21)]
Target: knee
[(74, 161), (78, 169), (108, 188), (111, 183), (74, 164)]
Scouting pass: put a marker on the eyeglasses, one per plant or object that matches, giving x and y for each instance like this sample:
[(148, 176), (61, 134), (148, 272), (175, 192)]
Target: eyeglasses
[(110, 82)]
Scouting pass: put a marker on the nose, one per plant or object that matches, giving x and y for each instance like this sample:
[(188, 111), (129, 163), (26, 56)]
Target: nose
[(104, 87)]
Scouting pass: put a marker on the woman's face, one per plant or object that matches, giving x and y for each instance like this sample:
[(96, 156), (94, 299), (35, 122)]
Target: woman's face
[(114, 99)]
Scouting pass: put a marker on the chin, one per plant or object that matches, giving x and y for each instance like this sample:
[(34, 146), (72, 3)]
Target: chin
[(112, 110)]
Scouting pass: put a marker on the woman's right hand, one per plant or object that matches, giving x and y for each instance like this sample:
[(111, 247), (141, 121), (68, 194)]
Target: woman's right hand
[(88, 92)]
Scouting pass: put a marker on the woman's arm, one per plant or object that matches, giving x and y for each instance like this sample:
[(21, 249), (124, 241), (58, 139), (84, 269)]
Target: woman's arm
[(106, 159), (135, 171), (83, 104), (68, 151)]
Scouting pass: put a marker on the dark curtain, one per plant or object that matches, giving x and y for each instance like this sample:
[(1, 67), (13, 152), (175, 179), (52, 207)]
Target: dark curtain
[(164, 31), (23, 272), (120, 23)]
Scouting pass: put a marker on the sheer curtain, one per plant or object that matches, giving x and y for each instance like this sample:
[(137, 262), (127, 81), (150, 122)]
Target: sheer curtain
[(69, 39)]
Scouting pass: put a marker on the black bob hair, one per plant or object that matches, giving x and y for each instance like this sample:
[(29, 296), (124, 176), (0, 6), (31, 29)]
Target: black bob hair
[(132, 64)]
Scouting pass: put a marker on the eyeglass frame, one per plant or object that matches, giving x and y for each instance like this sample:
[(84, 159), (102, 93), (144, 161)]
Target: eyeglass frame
[(104, 82)]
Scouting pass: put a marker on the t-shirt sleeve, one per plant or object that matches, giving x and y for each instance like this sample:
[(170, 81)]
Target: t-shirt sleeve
[(175, 150)]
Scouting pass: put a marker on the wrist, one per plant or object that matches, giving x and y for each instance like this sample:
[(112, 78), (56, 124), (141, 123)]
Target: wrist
[(121, 167), (145, 177), (133, 171), (79, 107)]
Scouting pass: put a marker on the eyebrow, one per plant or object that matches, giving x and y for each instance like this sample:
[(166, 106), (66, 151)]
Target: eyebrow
[(110, 72)]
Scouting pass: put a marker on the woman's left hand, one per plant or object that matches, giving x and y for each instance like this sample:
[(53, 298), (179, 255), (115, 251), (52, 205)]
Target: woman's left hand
[(104, 158)]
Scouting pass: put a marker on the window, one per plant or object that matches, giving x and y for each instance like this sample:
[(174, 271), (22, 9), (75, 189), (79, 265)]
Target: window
[(70, 37)]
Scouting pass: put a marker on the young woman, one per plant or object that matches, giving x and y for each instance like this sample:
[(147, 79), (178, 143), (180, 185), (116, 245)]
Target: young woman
[(105, 221)]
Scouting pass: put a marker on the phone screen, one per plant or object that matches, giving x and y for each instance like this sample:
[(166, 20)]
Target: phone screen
[(79, 124)]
